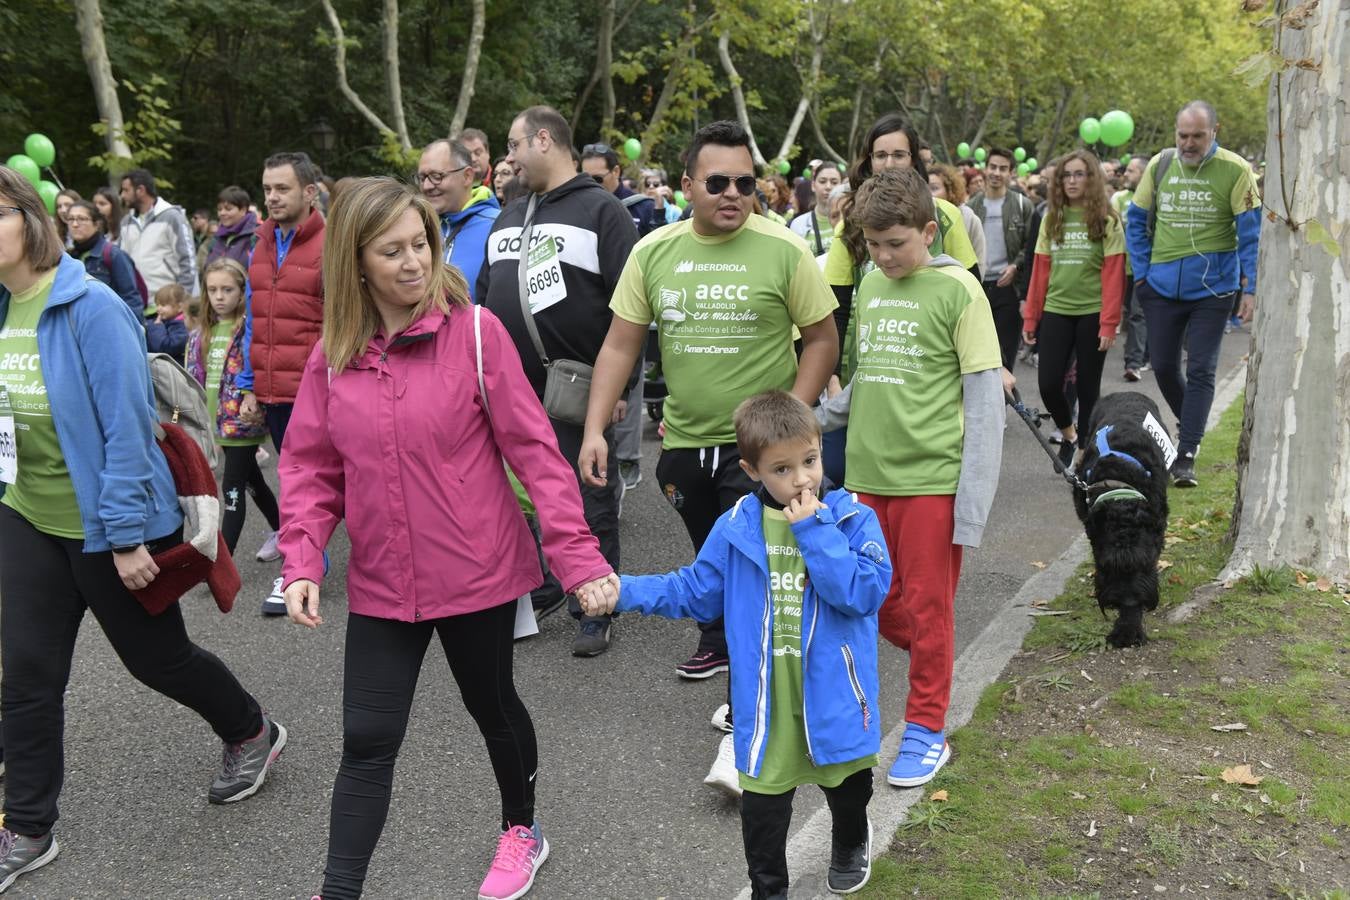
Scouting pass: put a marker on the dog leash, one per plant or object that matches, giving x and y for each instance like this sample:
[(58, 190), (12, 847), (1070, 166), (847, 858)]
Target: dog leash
[(1033, 419)]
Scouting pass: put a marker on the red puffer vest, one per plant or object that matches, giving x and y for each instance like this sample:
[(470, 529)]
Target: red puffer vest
[(287, 309)]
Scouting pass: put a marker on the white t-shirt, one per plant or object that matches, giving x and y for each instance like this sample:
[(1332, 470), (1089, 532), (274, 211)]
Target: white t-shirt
[(995, 247)]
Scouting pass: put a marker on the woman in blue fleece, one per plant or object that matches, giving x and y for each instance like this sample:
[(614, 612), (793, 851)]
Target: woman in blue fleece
[(799, 580), (87, 499)]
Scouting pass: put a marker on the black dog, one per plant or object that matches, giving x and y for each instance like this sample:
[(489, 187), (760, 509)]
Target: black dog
[(1124, 509)]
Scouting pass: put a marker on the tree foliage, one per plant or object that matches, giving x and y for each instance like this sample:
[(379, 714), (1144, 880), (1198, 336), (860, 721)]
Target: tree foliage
[(249, 77)]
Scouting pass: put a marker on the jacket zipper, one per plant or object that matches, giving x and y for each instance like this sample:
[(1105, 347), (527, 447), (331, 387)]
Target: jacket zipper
[(857, 685), (762, 701), (806, 649)]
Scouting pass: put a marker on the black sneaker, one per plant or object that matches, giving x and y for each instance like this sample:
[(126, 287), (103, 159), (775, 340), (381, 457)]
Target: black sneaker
[(244, 766), (703, 664), (593, 638), (850, 867), (1183, 471), (19, 854), (1066, 452)]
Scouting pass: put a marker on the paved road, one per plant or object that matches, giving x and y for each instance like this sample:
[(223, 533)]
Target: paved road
[(624, 744)]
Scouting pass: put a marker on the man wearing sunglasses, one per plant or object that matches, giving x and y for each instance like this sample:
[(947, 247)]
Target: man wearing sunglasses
[(601, 163), (579, 240), (447, 178), (725, 288)]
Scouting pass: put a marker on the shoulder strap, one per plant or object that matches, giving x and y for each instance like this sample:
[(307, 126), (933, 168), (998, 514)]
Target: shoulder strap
[(633, 200), (815, 227), (523, 275), (478, 356), (107, 255), (1164, 163)]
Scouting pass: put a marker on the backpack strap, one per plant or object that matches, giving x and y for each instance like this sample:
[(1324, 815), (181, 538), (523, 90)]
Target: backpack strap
[(1164, 163), (478, 356), (633, 200)]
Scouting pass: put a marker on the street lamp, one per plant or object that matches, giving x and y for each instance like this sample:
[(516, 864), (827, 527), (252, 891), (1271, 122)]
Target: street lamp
[(323, 136)]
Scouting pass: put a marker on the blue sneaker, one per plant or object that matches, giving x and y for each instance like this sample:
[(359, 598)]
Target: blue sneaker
[(922, 753)]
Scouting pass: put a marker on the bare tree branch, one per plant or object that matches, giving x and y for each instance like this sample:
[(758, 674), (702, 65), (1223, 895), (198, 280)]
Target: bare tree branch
[(472, 54), (391, 73), (340, 59), (737, 95), (89, 23)]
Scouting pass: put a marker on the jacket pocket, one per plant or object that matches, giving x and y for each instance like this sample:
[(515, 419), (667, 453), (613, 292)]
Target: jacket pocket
[(850, 666)]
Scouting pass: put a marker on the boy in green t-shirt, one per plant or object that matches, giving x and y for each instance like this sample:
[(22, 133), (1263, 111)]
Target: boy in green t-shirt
[(799, 580), (925, 439)]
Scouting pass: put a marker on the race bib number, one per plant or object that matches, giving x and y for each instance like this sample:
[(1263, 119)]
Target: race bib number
[(1159, 435), (543, 276), (9, 448)]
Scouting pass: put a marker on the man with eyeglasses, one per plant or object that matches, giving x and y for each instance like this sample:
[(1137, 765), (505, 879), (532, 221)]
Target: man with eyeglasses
[(579, 239), (601, 163), (447, 178), (1006, 215), (725, 288)]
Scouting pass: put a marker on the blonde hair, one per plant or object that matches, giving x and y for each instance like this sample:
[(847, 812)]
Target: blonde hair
[(363, 211), (208, 319)]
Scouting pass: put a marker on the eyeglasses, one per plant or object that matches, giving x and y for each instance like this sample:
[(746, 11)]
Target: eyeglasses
[(597, 149), (652, 183), (6, 211), (717, 184), (435, 178), (79, 220), (880, 156), (1072, 176), (512, 143)]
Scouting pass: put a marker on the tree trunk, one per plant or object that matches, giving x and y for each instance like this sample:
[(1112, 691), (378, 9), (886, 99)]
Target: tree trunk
[(1293, 502), (89, 23), (1045, 150), (822, 141), (391, 73), (737, 95), (340, 61), (680, 55), (989, 112), (818, 35), (865, 85), (474, 51)]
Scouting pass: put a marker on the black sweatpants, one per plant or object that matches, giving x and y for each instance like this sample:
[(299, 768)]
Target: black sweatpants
[(382, 662), (764, 829), (1061, 339), (242, 476), (47, 584), (701, 484), (1006, 308)]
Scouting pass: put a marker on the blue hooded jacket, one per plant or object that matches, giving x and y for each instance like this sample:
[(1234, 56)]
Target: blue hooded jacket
[(848, 573), (466, 233), (103, 407)]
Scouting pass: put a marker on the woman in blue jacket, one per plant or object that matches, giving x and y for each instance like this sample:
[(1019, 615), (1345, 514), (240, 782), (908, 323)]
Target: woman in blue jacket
[(87, 499), (103, 259)]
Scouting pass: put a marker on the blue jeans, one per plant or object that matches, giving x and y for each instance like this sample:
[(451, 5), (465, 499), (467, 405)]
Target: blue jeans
[(1197, 326)]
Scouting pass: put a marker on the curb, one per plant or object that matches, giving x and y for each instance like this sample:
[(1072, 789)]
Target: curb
[(979, 666)]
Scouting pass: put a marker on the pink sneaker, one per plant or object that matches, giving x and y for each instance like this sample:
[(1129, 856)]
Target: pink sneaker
[(520, 853)]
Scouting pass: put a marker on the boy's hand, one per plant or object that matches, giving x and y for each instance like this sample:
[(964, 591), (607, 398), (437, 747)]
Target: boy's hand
[(802, 506)]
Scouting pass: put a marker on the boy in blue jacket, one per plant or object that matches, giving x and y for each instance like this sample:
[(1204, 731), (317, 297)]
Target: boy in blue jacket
[(799, 580)]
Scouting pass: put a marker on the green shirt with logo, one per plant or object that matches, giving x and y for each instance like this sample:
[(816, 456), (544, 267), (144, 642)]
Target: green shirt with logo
[(43, 493), (1196, 205), (787, 762), (917, 336), (725, 307), (1076, 263)]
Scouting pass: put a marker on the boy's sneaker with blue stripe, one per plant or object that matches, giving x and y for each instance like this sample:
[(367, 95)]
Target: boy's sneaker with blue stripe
[(922, 754)]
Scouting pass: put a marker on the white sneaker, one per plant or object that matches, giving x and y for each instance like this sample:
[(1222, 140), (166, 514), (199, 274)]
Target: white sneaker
[(719, 718), (723, 774), (268, 552), (275, 604)]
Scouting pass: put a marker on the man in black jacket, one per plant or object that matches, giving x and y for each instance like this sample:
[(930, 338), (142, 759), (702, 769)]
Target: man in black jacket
[(580, 237)]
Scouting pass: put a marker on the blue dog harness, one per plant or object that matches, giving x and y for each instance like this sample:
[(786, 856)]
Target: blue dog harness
[(1114, 490), (1104, 451)]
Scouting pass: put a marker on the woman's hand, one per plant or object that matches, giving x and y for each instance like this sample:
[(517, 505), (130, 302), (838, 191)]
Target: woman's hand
[(599, 597), (1104, 342), (1029, 338), (302, 603), (136, 569)]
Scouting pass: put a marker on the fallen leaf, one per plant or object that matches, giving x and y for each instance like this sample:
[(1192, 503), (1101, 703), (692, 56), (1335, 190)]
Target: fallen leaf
[(938, 796), (1077, 796), (1324, 584), (1301, 578), (1242, 775), (1174, 579), (1163, 565), (1092, 829), (1049, 612), (1231, 726), (1038, 564), (1085, 674)]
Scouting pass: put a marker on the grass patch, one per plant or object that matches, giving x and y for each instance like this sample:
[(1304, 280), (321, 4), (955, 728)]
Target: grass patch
[(1088, 770)]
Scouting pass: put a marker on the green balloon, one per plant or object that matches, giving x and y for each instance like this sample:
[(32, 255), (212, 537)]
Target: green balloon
[(26, 167), (1117, 128), (1020, 154), (48, 191), (963, 149), (679, 199), (1023, 169), (632, 148), (784, 167), (806, 173), (979, 165), (981, 154), (1090, 130), (1032, 164), (1125, 160), (40, 149)]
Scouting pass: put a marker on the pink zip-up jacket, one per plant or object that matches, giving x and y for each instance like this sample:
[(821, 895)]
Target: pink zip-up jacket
[(401, 446)]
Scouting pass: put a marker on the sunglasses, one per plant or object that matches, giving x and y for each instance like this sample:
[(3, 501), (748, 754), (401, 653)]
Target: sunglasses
[(717, 184), (597, 149)]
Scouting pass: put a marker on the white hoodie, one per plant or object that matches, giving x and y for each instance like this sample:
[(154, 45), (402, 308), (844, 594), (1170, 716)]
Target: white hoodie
[(160, 244)]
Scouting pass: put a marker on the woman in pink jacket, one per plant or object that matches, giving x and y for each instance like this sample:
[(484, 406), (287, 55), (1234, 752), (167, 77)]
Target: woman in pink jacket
[(391, 433)]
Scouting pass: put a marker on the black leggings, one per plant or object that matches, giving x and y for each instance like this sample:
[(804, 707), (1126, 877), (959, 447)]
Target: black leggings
[(1061, 337), (383, 659), (47, 584), (243, 475), (764, 829)]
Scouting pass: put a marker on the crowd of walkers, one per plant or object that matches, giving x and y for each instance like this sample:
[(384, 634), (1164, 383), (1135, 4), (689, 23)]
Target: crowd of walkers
[(454, 367)]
